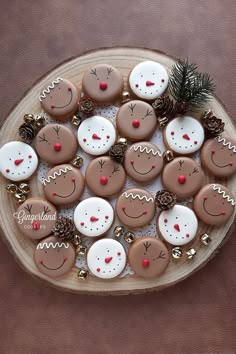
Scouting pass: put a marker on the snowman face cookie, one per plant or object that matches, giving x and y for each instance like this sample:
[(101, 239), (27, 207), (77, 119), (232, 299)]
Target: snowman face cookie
[(54, 257), (96, 135), (182, 176), (214, 204), (136, 120), (93, 217), (135, 207), (219, 156), (63, 185), (104, 176), (103, 83), (184, 135), (178, 226), (148, 257), (59, 98), (18, 161), (106, 258), (148, 80), (143, 161), (56, 144), (35, 218)]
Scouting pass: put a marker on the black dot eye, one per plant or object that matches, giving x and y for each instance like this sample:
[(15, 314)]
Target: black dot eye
[(138, 155), (19, 153), (50, 96), (58, 250), (86, 213), (9, 159), (98, 259), (149, 157), (45, 251), (59, 88), (55, 182)]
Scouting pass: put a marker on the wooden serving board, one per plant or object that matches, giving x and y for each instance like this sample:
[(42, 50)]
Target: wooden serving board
[(22, 248)]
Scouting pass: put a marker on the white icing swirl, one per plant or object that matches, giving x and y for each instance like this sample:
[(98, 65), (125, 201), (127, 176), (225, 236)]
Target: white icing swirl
[(226, 143), (135, 196), (147, 151), (49, 88), (56, 174), (41, 245), (224, 195)]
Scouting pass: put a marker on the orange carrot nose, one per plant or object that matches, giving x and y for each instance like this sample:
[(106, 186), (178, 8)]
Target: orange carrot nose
[(176, 226), (18, 162), (108, 259), (95, 136), (150, 83), (93, 218), (185, 136)]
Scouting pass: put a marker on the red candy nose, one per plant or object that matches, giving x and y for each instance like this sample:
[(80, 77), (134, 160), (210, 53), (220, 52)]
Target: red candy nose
[(176, 226), (181, 179), (18, 162), (150, 83), (136, 123), (185, 136), (57, 147), (145, 262), (95, 136), (35, 225), (103, 180), (108, 259), (93, 218), (103, 85)]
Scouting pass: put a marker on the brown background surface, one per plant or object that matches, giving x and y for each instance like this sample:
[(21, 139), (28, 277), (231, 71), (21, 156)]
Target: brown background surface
[(197, 315)]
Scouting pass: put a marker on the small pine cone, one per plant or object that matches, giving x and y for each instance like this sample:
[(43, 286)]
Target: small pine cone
[(181, 107), (27, 132), (64, 229), (117, 152), (165, 199), (87, 106), (164, 107), (213, 126)]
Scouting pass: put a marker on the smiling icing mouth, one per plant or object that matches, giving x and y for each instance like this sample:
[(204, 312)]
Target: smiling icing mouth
[(71, 96), (212, 154), (66, 196), (204, 207), (145, 173), (53, 268), (133, 217)]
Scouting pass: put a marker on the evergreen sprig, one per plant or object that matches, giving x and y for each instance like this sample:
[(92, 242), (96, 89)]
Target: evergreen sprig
[(188, 85)]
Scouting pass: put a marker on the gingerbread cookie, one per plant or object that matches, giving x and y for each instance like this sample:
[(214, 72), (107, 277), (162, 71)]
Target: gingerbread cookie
[(96, 135), (54, 257), (178, 226), (214, 204), (135, 207), (136, 120), (93, 217), (63, 185), (35, 218), (184, 135), (56, 144), (148, 257), (218, 156), (106, 258), (18, 161), (148, 80), (143, 161), (59, 98), (182, 176), (104, 176), (103, 83)]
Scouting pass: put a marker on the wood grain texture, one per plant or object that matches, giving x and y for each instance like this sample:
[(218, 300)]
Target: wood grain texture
[(124, 59)]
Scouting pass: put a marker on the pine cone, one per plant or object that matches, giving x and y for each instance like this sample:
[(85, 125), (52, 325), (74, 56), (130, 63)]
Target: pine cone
[(87, 106), (164, 107), (27, 132), (165, 199), (64, 229), (213, 126), (117, 152), (181, 107)]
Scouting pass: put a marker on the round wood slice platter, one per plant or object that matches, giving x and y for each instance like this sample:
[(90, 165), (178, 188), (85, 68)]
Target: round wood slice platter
[(22, 248)]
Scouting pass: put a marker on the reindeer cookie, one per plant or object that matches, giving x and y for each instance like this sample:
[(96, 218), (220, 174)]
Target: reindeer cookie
[(214, 204), (63, 185), (59, 98), (53, 257), (136, 120), (103, 83), (143, 161), (18, 161), (106, 258), (56, 144), (148, 257), (105, 177), (135, 207), (218, 156)]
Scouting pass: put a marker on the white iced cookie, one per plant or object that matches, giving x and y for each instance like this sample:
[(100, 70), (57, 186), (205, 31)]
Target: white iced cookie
[(106, 258), (93, 217), (148, 80), (184, 135), (18, 161), (96, 135), (178, 225)]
